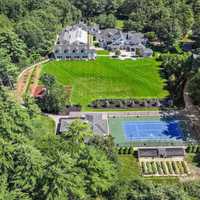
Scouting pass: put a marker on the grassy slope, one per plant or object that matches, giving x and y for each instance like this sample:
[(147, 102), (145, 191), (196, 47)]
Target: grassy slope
[(108, 78), (43, 126)]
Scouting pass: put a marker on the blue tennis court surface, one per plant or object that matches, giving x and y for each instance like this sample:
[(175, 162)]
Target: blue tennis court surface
[(152, 130)]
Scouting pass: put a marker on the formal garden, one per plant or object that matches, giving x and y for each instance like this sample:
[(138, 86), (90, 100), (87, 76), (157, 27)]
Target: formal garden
[(108, 78)]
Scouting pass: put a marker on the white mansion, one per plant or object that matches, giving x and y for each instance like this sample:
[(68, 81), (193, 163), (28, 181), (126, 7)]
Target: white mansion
[(74, 42)]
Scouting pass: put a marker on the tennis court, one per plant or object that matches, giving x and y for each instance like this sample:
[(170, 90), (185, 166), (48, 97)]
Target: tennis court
[(132, 129), (152, 130)]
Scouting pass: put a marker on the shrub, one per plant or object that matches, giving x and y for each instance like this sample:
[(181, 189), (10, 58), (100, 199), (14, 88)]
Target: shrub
[(175, 168), (170, 169), (130, 151), (117, 52), (189, 148), (126, 150), (98, 104), (163, 164), (120, 150), (151, 36)]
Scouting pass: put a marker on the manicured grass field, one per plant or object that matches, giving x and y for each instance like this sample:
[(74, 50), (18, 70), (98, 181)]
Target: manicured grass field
[(108, 78)]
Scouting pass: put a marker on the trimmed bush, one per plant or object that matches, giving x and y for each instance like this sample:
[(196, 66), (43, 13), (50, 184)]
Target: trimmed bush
[(130, 150), (189, 148), (120, 150), (125, 150)]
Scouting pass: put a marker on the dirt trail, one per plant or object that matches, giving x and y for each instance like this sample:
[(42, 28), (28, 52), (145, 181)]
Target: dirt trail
[(24, 77), (35, 79), (22, 83)]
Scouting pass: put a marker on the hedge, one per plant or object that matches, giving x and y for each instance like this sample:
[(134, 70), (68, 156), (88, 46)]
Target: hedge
[(193, 148), (130, 150)]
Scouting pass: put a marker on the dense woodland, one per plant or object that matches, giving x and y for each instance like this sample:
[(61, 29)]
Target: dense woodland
[(35, 164), (39, 165)]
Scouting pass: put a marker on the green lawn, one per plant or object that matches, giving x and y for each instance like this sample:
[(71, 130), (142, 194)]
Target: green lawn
[(129, 167), (108, 78), (102, 52), (129, 170), (43, 125)]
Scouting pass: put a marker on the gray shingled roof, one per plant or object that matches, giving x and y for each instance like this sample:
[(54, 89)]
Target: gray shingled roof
[(160, 152), (98, 124)]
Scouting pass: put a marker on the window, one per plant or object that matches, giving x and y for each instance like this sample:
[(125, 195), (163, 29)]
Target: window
[(65, 51), (56, 51)]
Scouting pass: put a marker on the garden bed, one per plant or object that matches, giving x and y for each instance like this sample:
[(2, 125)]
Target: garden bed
[(164, 168)]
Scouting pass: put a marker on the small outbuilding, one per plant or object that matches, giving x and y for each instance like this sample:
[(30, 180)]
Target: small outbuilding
[(161, 152)]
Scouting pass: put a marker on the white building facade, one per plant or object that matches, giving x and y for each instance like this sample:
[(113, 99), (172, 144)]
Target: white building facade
[(74, 43)]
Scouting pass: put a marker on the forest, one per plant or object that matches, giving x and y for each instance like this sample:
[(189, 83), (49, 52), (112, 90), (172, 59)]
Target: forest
[(35, 164)]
